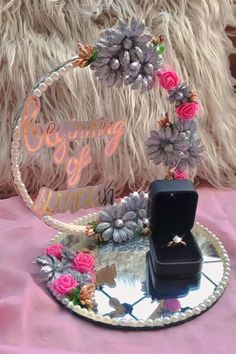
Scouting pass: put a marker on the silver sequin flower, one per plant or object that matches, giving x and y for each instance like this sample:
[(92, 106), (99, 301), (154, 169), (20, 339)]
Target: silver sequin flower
[(166, 145), (189, 127), (137, 202), (141, 72), (125, 52), (51, 267), (82, 279), (116, 223), (181, 93), (191, 157)]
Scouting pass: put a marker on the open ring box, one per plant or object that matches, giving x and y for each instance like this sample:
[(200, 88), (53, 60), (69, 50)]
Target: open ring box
[(172, 207)]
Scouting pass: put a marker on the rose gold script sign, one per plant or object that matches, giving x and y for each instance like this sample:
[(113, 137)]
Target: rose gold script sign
[(58, 136), (49, 202)]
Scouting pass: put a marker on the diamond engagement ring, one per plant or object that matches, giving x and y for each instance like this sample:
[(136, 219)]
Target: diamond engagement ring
[(176, 241)]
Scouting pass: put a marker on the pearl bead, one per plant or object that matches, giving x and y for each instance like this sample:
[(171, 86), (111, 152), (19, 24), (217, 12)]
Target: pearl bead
[(225, 278), (224, 283), (83, 311), (188, 313), (43, 87), (182, 316), (69, 66), (202, 306), (37, 92), (212, 298), (15, 144), (16, 136), (217, 293), (158, 322), (49, 81), (149, 323), (175, 317), (207, 302), (196, 310), (220, 288), (227, 274), (127, 43), (55, 76), (167, 320), (62, 71)]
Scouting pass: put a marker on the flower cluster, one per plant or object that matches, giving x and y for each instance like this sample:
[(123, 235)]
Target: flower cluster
[(120, 221), (130, 55), (69, 274), (127, 54), (175, 145), (181, 94)]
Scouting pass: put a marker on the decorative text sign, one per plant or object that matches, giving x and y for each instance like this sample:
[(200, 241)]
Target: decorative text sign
[(57, 136)]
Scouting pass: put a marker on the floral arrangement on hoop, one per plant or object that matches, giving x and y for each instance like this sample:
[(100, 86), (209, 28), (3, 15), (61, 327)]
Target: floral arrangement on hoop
[(128, 55)]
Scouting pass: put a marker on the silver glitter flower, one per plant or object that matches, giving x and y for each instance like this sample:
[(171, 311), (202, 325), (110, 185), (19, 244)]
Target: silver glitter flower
[(141, 72), (82, 279), (181, 93), (189, 127), (192, 156), (51, 267), (137, 202), (125, 52), (166, 145), (116, 223)]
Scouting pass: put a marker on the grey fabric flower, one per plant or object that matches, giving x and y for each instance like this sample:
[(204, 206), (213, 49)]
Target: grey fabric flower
[(137, 202), (124, 52), (166, 145), (116, 223), (50, 267), (191, 157), (81, 278), (180, 93), (189, 127), (141, 72), (67, 254)]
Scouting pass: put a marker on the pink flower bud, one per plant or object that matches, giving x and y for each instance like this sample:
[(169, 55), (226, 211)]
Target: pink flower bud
[(187, 110)]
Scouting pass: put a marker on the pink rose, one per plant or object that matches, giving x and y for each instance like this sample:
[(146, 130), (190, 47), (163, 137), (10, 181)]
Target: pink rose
[(179, 174), (187, 110), (172, 305), (84, 262), (54, 250), (168, 79), (64, 284)]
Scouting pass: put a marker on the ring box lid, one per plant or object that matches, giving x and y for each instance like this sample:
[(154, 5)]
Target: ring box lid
[(172, 207)]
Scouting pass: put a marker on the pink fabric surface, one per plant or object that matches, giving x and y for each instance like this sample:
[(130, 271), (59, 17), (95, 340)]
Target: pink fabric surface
[(32, 322)]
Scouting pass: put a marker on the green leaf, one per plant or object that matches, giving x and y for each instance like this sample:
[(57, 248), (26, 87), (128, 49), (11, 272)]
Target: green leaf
[(75, 296), (93, 57), (160, 48)]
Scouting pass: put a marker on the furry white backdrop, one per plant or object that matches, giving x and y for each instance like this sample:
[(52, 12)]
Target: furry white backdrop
[(36, 35)]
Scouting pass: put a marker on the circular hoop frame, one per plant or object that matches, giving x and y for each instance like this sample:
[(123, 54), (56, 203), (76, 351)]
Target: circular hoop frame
[(38, 90)]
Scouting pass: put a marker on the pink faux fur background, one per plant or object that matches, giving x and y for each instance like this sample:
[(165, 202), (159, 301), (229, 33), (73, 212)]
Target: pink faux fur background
[(37, 35)]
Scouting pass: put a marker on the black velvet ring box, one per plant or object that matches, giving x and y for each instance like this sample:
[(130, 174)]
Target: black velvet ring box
[(172, 207), (167, 287)]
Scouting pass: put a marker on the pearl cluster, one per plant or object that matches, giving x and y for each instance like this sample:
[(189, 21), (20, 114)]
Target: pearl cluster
[(38, 90), (166, 320)]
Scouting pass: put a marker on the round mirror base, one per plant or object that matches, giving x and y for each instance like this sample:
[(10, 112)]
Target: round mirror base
[(123, 293)]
